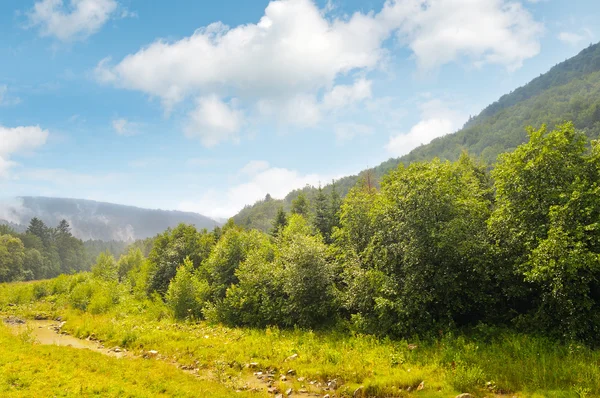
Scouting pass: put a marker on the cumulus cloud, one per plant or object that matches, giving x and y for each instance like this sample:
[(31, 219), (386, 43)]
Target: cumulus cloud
[(262, 178), (213, 121), (341, 96), (437, 120), (17, 140), (75, 20), (290, 62), (485, 31)]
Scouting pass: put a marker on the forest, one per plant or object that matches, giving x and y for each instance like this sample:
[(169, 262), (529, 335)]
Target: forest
[(433, 246)]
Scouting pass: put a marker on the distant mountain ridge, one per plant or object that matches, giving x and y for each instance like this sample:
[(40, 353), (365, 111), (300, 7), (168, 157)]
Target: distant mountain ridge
[(570, 91), (98, 220)]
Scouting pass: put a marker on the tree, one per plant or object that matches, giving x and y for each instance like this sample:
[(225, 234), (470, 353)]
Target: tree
[(279, 222), (106, 268), (231, 250), (171, 248), (39, 229), (546, 228), (186, 293), (64, 228), (321, 214), (335, 203), (258, 298), (130, 262), (429, 246), (12, 253), (300, 205), (307, 276)]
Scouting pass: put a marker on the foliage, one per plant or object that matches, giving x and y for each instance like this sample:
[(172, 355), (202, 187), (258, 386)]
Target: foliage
[(106, 268), (187, 293)]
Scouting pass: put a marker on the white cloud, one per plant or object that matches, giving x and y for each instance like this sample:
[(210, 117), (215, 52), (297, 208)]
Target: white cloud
[(76, 20), (264, 179), (124, 127), (572, 38), (437, 120), (341, 96), (254, 167), (287, 66), (214, 121), (17, 140), (486, 31), (348, 131)]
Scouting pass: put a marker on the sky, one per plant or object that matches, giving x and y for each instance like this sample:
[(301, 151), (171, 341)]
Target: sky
[(207, 106)]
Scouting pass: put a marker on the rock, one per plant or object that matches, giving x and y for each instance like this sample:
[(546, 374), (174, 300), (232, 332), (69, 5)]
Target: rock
[(326, 396), (252, 365), (465, 395), (279, 396), (303, 391), (332, 385), (358, 392), (272, 390), (292, 357), (301, 379), (282, 378), (289, 392), (421, 386), (412, 347), (291, 372), (151, 354), (13, 320)]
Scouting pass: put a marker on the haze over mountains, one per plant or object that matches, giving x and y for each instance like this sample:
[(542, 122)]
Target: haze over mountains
[(97, 220), (570, 91)]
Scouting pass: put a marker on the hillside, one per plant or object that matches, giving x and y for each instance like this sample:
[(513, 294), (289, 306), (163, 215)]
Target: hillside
[(568, 91), (99, 220)]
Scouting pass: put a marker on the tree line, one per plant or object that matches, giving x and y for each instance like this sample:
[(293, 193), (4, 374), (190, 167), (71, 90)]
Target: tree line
[(40, 252), (434, 246)]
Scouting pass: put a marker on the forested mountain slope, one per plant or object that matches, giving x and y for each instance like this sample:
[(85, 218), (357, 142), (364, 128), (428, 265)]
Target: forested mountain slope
[(569, 91), (101, 221)]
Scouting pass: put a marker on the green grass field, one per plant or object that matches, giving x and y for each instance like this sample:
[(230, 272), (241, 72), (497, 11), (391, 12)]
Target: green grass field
[(484, 363)]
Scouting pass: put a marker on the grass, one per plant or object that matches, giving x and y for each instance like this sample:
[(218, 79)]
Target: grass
[(484, 363), (28, 369)]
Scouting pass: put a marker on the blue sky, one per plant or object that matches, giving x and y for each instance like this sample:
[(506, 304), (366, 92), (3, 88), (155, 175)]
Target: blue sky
[(207, 106)]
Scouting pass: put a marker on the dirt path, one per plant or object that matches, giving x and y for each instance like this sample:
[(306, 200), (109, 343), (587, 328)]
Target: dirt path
[(50, 332)]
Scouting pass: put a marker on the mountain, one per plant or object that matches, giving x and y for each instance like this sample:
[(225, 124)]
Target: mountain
[(98, 220), (570, 91)]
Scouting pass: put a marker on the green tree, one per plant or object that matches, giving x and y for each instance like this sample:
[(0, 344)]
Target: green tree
[(231, 250), (106, 268), (546, 228), (171, 248), (258, 298), (428, 248), (300, 205), (38, 228), (186, 293), (279, 222), (12, 253), (307, 276), (130, 262), (321, 214)]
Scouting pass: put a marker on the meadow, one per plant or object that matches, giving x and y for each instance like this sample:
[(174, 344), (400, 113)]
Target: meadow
[(203, 359)]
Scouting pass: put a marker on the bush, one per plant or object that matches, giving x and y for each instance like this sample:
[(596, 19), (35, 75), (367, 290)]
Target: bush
[(186, 293)]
